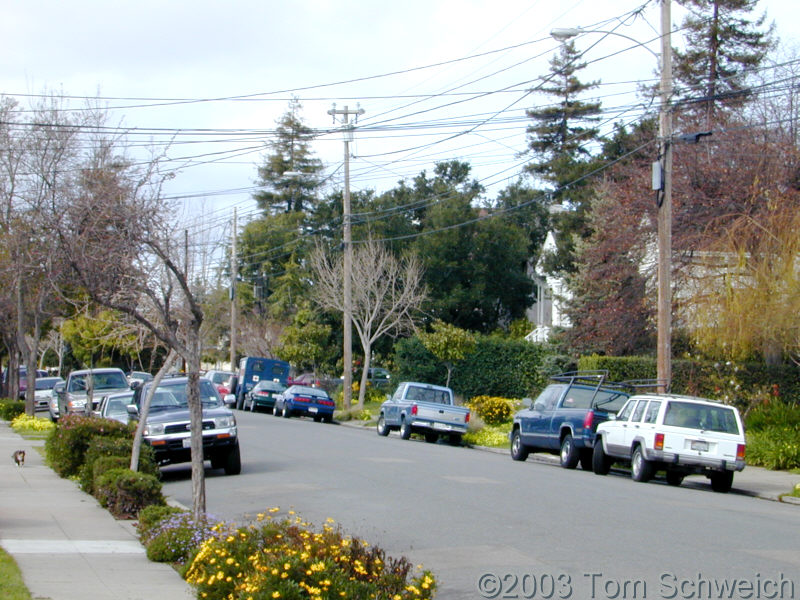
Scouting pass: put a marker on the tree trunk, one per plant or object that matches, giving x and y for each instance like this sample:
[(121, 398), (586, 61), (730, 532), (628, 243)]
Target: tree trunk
[(362, 391), (145, 409), (196, 419)]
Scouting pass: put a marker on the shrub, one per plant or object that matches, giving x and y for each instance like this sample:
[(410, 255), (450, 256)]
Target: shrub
[(288, 559), (150, 516), (66, 445), (10, 408), (124, 492), (774, 447), (114, 446), (773, 414), (177, 537), (99, 467), (23, 423), (493, 410), (493, 437)]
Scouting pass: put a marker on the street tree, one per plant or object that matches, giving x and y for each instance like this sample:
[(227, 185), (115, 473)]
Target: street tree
[(387, 294), (306, 342), (126, 251), (448, 343)]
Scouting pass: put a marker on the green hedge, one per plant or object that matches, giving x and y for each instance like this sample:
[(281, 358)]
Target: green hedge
[(498, 367), (10, 408), (125, 493), (735, 383), (67, 444), (121, 447)]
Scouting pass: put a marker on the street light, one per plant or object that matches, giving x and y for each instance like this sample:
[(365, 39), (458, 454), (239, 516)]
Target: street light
[(662, 182)]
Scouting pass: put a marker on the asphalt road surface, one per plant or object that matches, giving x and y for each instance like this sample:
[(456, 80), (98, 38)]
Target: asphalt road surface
[(489, 527)]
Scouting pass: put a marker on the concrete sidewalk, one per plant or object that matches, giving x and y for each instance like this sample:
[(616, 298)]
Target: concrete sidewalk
[(67, 546)]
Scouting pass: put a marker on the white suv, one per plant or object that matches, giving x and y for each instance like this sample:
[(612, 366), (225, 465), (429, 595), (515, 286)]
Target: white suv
[(681, 435)]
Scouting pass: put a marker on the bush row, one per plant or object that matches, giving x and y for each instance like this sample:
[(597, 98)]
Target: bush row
[(491, 409), (498, 367), (10, 408), (98, 452)]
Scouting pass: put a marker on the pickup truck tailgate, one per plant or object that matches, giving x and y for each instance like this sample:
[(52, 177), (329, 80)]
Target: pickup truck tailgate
[(442, 414)]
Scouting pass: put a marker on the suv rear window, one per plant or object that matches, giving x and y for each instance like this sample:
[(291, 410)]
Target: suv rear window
[(581, 397), (701, 416)]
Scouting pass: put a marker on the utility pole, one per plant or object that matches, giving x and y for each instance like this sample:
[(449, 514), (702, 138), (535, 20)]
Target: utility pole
[(664, 350), (348, 257), (234, 276)]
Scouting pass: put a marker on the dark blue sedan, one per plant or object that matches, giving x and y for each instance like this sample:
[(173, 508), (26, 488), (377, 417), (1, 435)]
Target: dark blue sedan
[(304, 401)]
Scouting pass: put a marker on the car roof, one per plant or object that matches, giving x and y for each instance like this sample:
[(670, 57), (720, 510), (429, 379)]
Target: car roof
[(680, 397), (98, 370)]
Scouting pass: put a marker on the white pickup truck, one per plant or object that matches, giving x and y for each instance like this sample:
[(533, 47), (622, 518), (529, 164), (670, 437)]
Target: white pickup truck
[(426, 409)]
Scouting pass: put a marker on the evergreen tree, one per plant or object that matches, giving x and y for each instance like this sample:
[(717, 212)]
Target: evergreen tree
[(289, 173), (722, 46), (560, 140)]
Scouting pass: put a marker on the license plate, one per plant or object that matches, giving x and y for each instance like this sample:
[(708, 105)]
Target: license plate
[(312, 409), (700, 445), (442, 426), (187, 442)]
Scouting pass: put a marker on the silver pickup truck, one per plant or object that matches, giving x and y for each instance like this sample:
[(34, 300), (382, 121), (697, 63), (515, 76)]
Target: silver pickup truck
[(426, 409)]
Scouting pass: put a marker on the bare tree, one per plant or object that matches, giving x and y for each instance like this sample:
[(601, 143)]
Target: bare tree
[(387, 294), (125, 251)]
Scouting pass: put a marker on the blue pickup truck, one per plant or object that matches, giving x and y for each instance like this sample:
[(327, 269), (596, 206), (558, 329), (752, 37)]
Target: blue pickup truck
[(426, 409), (564, 417)]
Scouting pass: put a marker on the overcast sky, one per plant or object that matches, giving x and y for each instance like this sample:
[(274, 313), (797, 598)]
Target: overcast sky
[(246, 58)]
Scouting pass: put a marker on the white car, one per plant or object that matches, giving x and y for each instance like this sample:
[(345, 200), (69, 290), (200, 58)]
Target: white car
[(44, 391), (682, 435)]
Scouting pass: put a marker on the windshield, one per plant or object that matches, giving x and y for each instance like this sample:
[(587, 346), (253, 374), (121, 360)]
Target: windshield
[(176, 396), (48, 383), (114, 380), (420, 394)]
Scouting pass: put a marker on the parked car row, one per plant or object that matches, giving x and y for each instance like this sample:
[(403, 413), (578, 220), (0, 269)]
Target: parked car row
[(596, 423)]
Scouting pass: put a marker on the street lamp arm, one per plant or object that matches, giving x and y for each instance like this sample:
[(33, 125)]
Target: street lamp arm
[(562, 34)]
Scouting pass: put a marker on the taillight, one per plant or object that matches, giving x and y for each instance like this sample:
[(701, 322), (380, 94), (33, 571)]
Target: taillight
[(659, 442), (414, 409), (466, 419), (588, 420), (740, 452)]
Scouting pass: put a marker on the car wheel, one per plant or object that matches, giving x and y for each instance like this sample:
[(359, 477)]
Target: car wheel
[(586, 459), (252, 405), (519, 451), (722, 482), (233, 462), (601, 463), (641, 468), (287, 411), (405, 429), (569, 454), (275, 411), (674, 478), (381, 428), (218, 461), (431, 437)]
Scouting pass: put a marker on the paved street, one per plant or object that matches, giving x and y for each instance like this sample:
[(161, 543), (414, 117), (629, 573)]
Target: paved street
[(478, 518)]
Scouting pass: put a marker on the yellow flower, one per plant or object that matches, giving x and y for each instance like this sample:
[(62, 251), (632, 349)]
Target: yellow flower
[(276, 594)]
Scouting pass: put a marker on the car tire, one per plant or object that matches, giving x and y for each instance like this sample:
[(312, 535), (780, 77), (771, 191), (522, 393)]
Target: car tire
[(405, 429), (286, 412), (252, 405), (601, 463), (431, 438), (641, 468), (674, 478), (722, 482), (233, 461), (586, 459), (275, 411), (381, 427), (569, 454), (519, 451)]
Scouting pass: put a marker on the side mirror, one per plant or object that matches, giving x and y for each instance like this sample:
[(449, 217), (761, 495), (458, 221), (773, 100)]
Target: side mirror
[(133, 410), (59, 387), (527, 402), (539, 405), (136, 384), (229, 400)]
